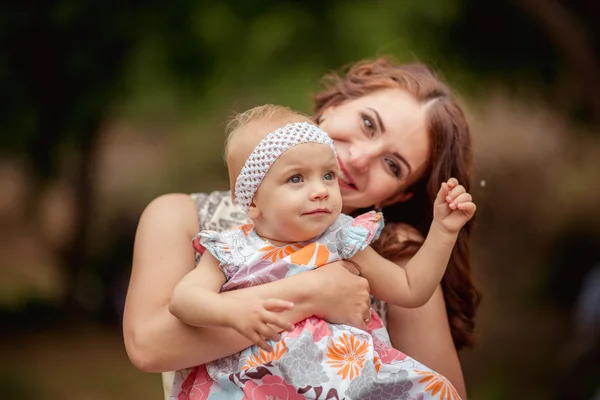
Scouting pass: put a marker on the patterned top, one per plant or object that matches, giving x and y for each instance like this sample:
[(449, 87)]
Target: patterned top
[(316, 359), (216, 212), (248, 260)]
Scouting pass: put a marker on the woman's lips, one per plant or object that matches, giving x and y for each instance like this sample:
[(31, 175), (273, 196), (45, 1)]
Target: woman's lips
[(344, 185)]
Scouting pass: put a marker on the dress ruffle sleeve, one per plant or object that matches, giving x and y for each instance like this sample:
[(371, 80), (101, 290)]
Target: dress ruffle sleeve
[(358, 233), (216, 244)]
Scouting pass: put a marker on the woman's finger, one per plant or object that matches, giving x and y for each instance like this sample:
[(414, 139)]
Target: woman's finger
[(359, 323), (351, 266)]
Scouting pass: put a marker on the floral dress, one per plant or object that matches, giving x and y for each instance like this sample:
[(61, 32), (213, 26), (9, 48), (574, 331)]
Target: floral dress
[(317, 360)]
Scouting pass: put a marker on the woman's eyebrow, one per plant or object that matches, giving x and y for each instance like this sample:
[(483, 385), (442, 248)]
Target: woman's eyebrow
[(382, 127), (378, 117)]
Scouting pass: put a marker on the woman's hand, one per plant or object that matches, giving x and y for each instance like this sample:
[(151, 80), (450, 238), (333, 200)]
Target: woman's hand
[(341, 296)]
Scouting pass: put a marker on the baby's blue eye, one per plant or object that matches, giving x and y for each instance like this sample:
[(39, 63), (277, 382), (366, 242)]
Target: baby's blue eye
[(295, 179), (329, 176)]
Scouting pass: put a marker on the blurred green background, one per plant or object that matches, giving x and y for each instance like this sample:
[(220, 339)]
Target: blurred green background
[(106, 105)]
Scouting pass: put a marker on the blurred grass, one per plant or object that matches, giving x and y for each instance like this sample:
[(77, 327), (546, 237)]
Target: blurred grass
[(77, 363)]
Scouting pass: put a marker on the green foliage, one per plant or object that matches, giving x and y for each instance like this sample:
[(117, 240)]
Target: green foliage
[(65, 63)]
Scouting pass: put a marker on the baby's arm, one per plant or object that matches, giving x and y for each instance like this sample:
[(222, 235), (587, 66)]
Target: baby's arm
[(413, 285), (196, 302)]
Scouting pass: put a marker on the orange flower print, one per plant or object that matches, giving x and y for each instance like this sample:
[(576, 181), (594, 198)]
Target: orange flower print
[(305, 255), (247, 228), (263, 357), (348, 355), (377, 362), (276, 253), (438, 384)]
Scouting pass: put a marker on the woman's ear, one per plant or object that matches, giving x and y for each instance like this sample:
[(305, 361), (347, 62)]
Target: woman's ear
[(253, 211)]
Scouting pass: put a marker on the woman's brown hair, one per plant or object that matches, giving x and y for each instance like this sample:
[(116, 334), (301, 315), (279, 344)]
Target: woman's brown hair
[(450, 156)]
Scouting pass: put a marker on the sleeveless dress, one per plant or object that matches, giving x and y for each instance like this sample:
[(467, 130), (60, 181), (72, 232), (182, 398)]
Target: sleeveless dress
[(317, 360)]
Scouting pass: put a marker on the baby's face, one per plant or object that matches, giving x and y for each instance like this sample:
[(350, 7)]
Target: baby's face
[(299, 197)]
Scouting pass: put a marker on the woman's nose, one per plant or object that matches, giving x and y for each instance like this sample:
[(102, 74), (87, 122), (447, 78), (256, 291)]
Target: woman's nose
[(359, 158)]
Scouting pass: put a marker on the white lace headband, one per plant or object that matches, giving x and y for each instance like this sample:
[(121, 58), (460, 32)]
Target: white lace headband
[(268, 150)]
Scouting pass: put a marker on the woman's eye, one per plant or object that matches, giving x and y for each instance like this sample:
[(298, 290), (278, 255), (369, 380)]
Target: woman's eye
[(369, 125), (393, 166), (329, 176), (295, 179)]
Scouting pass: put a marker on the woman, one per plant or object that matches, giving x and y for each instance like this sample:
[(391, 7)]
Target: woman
[(399, 134)]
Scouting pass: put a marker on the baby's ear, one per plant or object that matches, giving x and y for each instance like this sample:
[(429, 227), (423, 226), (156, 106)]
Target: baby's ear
[(253, 211)]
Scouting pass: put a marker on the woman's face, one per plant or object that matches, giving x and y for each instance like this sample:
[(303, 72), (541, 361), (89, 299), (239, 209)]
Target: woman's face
[(382, 144)]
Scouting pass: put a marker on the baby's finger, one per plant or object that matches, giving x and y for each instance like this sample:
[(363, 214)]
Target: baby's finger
[(468, 208), (277, 305), (452, 182), (269, 332), (275, 320), (463, 198), (455, 192), (258, 340), (442, 194), (274, 333)]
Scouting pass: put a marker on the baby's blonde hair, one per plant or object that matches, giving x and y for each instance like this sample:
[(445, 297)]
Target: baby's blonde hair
[(245, 130)]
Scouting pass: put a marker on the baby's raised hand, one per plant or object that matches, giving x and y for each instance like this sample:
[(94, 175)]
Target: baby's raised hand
[(453, 206), (258, 320)]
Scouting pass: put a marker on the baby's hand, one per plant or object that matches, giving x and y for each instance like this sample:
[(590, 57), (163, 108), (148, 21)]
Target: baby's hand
[(453, 207), (258, 320)]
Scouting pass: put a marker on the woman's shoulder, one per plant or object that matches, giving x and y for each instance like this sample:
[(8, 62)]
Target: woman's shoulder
[(168, 210), (216, 197)]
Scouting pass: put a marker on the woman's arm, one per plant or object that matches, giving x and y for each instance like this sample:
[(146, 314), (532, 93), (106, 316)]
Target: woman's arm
[(163, 254), (424, 333)]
